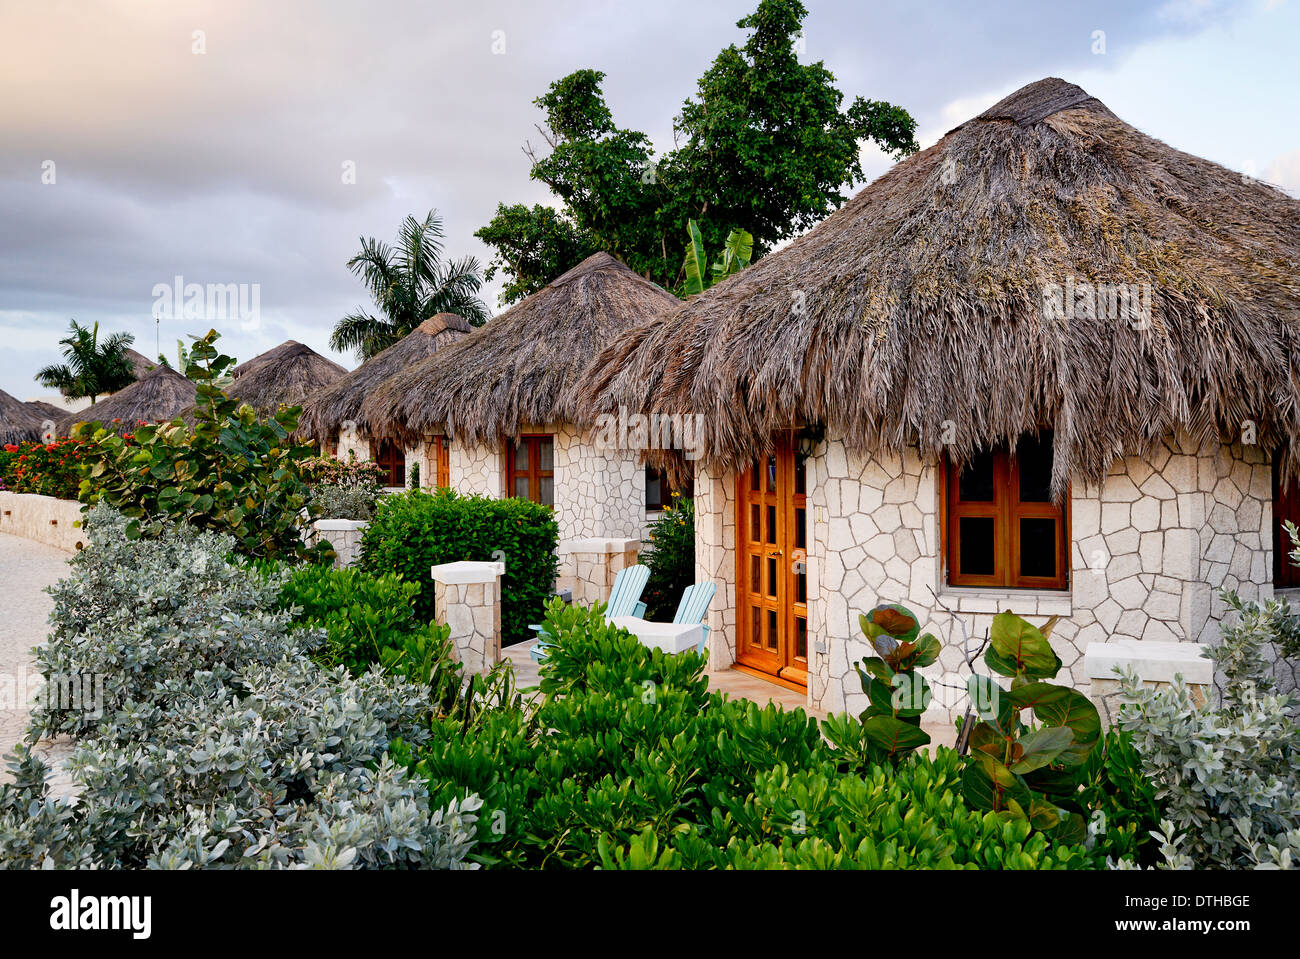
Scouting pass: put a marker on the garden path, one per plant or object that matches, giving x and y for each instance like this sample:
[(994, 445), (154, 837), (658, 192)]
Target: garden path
[(26, 568)]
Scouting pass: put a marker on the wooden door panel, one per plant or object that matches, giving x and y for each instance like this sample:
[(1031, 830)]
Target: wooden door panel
[(771, 524)]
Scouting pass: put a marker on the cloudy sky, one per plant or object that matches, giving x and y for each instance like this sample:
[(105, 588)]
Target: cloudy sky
[(141, 140)]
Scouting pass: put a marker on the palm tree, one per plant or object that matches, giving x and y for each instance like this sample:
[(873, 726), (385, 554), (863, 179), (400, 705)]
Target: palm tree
[(409, 284), (92, 368)]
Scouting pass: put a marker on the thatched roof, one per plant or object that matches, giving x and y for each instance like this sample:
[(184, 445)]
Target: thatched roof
[(325, 412), (157, 397), (283, 376), (516, 370), (140, 364), (922, 304), (46, 411), (18, 421)]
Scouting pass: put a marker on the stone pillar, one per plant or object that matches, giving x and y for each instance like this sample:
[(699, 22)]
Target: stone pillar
[(344, 535), (1155, 663), (715, 559), (467, 598), (589, 566)]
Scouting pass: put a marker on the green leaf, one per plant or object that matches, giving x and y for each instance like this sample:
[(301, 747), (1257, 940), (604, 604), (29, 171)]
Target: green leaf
[(1014, 640), (1041, 747), (693, 266), (874, 666), (893, 620), (894, 735), (929, 650), (911, 695), (987, 699), (1063, 707)]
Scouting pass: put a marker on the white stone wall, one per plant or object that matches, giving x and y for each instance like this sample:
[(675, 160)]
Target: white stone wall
[(598, 492), (1148, 550), (477, 470), (715, 559), (44, 519), (342, 534), (350, 441)]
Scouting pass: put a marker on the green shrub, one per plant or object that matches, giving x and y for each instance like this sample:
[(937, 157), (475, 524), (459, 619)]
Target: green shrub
[(415, 530), (1227, 776), (629, 761), (369, 619), (671, 558), (218, 742), (135, 614), (232, 473)]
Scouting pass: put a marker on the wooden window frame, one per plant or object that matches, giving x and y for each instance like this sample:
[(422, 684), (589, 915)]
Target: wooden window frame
[(376, 448), (534, 473), (666, 489), (1006, 510), (1286, 505)]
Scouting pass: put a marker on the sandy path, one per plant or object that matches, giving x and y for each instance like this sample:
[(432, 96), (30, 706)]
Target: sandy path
[(26, 568)]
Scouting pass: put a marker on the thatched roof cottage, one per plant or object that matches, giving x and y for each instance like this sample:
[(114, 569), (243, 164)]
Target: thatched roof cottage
[(1049, 364), (158, 396), (19, 421), (284, 376), (334, 415), (503, 397)]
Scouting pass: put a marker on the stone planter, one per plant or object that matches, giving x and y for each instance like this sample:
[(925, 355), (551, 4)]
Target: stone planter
[(1156, 664), (343, 534), (44, 519)]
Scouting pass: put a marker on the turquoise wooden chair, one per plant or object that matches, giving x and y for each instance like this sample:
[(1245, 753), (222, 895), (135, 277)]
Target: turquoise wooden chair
[(695, 606), (624, 600)]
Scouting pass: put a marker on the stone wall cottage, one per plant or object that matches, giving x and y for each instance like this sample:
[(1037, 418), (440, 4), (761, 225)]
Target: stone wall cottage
[(335, 417), (501, 395), (1049, 364)]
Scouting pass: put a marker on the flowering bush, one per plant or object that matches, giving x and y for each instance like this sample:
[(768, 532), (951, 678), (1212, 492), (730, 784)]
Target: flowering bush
[(343, 489), (49, 469), (330, 471)]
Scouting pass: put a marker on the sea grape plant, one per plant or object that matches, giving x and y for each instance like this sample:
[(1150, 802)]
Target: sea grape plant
[(897, 694), (232, 472), (1021, 769)]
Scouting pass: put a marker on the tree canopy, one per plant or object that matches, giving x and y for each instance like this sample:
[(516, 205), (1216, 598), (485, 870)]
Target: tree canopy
[(763, 146)]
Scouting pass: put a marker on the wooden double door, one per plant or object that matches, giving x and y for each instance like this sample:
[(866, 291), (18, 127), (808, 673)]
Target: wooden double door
[(771, 565)]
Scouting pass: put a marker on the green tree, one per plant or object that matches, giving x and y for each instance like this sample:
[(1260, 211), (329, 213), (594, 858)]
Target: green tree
[(409, 284), (530, 243), (764, 143), (91, 368)]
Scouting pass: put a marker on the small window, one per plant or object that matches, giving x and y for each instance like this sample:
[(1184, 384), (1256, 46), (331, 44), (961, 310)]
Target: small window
[(530, 469), (1286, 506), (1003, 530), (659, 489)]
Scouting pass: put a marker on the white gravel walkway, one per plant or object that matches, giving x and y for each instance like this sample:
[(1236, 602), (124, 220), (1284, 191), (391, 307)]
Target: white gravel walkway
[(26, 568)]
